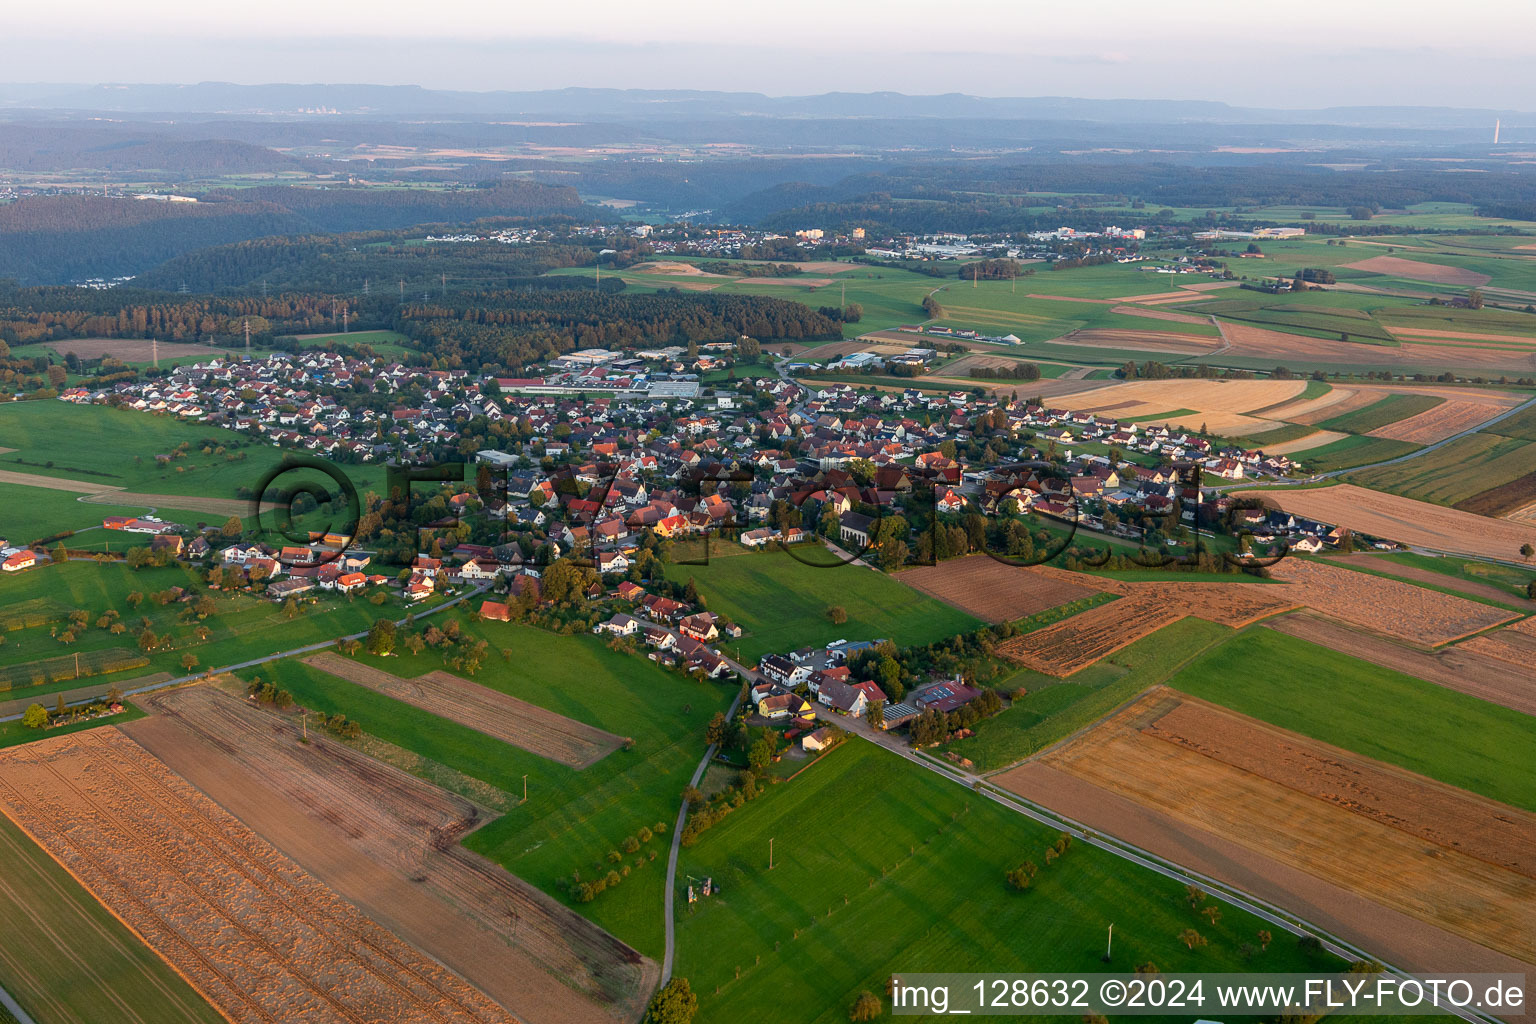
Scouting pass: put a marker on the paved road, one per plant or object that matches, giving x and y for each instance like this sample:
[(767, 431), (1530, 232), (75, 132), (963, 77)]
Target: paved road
[(479, 588), (1318, 477), (1262, 909), (22, 1016)]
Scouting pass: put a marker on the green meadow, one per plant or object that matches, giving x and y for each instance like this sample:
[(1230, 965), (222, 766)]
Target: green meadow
[(118, 448), (1053, 709), (881, 866), (572, 819), (782, 602), (66, 958), (241, 627), (1459, 470), (1371, 710)]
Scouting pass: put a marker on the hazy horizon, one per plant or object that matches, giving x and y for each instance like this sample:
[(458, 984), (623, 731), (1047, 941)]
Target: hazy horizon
[(1185, 49)]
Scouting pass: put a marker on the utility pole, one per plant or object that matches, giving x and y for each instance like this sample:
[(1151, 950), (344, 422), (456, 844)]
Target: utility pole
[(445, 285), (247, 337), (304, 724), (365, 286), (154, 351), (343, 319), (263, 287), (525, 789), (402, 289), (770, 854), (1111, 942)]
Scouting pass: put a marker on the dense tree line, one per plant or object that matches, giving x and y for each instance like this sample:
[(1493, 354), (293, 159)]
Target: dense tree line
[(362, 209), (57, 238), (994, 196), (382, 262), (510, 329)]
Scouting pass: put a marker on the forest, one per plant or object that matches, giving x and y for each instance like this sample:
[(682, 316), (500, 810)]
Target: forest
[(505, 331), (50, 239)]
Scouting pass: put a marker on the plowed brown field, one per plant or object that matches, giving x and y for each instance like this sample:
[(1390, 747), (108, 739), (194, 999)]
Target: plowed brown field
[(1416, 270), (994, 591), (260, 938), (528, 726), (1264, 343), (1398, 839), (389, 843)]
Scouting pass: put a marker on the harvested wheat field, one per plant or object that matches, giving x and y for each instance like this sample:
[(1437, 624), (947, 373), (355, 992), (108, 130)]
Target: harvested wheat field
[(1223, 405), (1143, 608), (257, 936), (1385, 565), (1316, 439), (1415, 523), (1514, 646), (389, 843), (1415, 270), (1463, 667), (1386, 606), (1448, 858), (1311, 410), (994, 591), (1439, 423), (496, 714), (1075, 643)]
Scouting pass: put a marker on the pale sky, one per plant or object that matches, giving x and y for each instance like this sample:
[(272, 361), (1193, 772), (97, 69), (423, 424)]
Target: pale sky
[(1473, 53)]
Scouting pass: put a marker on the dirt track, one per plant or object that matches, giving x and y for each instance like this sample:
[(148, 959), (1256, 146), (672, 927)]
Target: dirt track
[(260, 938), (496, 714), (1305, 823), (101, 494), (388, 842)]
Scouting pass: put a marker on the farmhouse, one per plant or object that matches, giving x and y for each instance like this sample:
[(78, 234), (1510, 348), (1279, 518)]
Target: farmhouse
[(817, 741), (783, 705), (19, 561)]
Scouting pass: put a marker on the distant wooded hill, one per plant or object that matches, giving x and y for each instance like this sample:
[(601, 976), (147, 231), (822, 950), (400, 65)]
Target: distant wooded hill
[(56, 239)]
